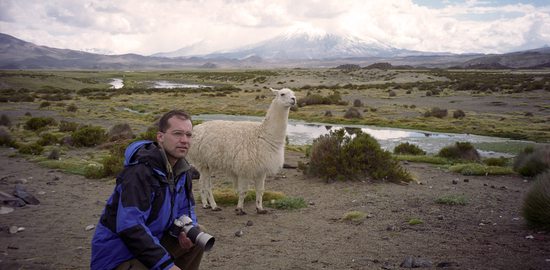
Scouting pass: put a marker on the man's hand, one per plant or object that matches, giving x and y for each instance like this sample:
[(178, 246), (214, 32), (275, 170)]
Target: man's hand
[(185, 242)]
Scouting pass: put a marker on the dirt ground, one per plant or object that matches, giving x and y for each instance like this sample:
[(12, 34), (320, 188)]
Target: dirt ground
[(486, 233)]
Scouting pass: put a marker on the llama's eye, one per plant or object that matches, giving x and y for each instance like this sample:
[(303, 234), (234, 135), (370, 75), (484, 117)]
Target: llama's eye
[(282, 95)]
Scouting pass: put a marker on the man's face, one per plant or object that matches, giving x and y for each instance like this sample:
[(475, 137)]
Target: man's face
[(176, 140)]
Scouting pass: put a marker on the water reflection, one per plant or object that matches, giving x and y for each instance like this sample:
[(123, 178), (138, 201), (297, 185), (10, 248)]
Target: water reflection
[(302, 133), (172, 85), (116, 83)]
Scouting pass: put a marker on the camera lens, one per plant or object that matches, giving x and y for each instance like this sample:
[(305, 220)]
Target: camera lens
[(202, 239)]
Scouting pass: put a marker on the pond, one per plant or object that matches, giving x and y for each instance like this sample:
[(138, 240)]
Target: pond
[(171, 85), (302, 133), (116, 83)]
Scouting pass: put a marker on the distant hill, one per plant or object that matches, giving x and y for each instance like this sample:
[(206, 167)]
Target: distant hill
[(290, 50), (19, 54), (537, 58)]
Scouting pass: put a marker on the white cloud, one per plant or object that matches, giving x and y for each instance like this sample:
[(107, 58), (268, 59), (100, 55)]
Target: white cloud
[(147, 27)]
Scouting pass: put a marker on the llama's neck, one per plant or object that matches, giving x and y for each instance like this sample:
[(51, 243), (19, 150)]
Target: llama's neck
[(274, 124)]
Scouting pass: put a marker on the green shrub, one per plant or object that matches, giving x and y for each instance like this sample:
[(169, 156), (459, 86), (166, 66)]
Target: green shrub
[(452, 200), (5, 121), (336, 156), (94, 171), (459, 114), (37, 123), (54, 154), (89, 136), (316, 99), (47, 139), (150, 134), (436, 112), (72, 108), (532, 161), (500, 161), (65, 126), (408, 149), (45, 104), (120, 132), (113, 163), (352, 113), (536, 205), (460, 151), (5, 138), (31, 149)]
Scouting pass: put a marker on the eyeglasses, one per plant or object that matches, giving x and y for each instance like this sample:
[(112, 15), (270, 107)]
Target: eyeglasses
[(180, 134)]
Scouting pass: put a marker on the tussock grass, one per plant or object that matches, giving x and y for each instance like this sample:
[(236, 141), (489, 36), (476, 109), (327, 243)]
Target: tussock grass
[(228, 196), (423, 159), (536, 205), (354, 216), (286, 203), (452, 200), (415, 221)]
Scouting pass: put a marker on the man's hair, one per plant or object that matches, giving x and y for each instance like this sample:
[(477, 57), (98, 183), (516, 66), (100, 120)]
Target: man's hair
[(163, 122)]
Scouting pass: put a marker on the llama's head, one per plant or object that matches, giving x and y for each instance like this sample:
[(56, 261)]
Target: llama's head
[(285, 97)]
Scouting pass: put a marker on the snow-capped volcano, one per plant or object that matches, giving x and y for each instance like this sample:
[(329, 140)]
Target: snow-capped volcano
[(313, 45)]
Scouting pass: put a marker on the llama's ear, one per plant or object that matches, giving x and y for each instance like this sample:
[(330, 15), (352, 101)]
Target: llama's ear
[(274, 91)]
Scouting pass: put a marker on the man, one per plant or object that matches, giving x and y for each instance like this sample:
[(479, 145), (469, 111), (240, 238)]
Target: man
[(153, 189)]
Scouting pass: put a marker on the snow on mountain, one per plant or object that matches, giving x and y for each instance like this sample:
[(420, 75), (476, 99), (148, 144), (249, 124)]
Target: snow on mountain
[(313, 45), (300, 44)]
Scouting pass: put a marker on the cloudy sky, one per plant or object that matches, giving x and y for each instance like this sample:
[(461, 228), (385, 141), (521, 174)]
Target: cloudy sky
[(151, 26)]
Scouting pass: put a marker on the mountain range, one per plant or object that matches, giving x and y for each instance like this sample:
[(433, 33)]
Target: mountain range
[(295, 49)]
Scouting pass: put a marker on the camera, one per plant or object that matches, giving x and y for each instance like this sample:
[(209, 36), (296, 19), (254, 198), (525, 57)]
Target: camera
[(185, 224)]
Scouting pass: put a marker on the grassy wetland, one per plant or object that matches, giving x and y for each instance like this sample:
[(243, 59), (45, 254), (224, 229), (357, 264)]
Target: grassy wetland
[(456, 214), (509, 104)]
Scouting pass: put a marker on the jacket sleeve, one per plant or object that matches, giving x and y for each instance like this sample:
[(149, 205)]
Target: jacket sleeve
[(136, 195)]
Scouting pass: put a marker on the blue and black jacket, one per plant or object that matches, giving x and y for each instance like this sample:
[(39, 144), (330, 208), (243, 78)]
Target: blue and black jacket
[(143, 206)]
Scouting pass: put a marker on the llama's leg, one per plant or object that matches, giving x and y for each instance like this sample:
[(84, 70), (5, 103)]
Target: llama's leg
[(259, 182), (242, 185), (203, 181), (210, 195), (207, 196)]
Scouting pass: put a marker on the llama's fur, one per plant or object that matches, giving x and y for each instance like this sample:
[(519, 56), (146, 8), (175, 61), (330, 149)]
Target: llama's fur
[(244, 151)]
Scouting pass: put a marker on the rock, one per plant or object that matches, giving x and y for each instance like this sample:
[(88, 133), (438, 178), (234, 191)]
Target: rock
[(10, 200), (90, 227), (5, 210), (239, 233), (529, 237), (249, 223), (21, 181), (407, 263), (455, 182), (20, 192), (466, 180), (447, 264), (13, 229)]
